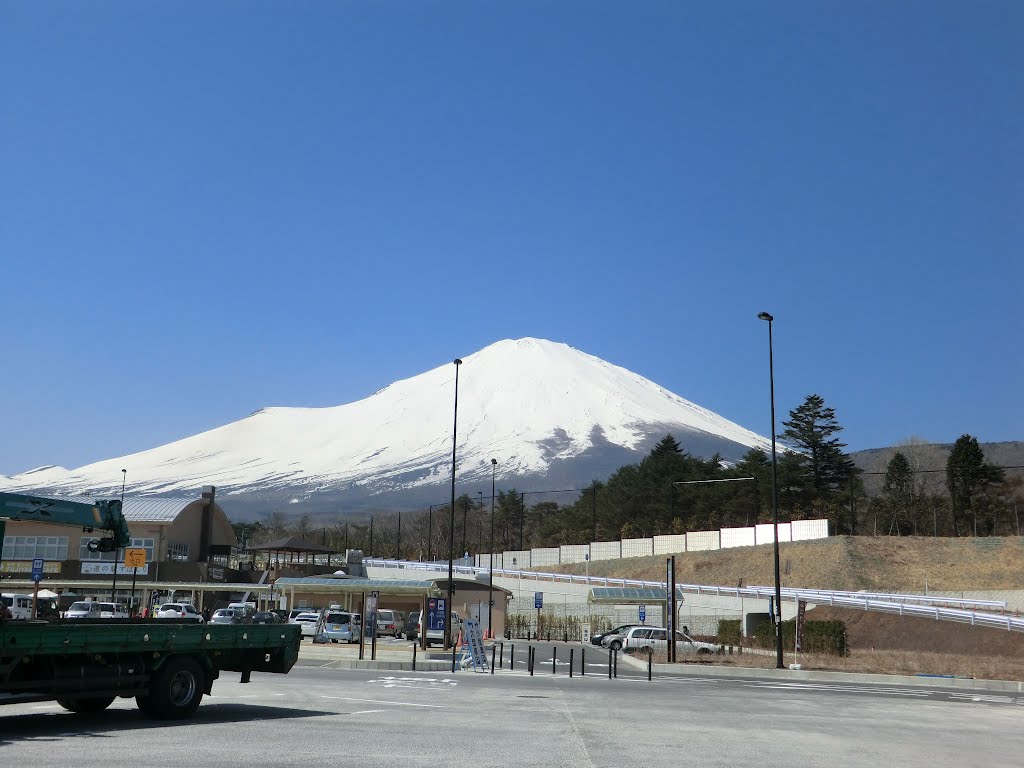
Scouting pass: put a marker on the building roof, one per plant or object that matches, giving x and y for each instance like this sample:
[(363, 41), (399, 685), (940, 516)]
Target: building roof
[(626, 595), (154, 510), (145, 509), (291, 544), (350, 586)]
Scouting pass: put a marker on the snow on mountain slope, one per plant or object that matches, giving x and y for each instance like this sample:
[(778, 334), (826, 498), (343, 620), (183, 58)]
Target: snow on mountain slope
[(527, 403)]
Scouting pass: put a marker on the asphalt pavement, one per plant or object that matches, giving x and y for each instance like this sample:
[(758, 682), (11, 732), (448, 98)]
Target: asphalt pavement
[(327, 717)]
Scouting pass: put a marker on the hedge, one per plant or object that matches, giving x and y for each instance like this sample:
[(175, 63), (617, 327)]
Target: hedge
[(819, 636)]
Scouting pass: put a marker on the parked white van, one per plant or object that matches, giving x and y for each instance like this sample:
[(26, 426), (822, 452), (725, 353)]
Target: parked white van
[(20, 606)]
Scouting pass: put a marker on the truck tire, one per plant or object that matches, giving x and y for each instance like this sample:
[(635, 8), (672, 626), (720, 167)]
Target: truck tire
[(85, 706), (175, 691)]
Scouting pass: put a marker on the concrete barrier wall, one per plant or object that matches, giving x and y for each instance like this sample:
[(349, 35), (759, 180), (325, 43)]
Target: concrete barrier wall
[(798, 530), (544, 556), (738, 537), (670, 545), (700, 540), (637, 547), (809, 529), (521, 557), (605, 550), (766, 534), (573, 553)]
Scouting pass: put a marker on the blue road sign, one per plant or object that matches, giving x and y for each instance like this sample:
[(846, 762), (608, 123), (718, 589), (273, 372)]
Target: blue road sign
[(538, 600), (436, 610), (37, 569), (643, 613)]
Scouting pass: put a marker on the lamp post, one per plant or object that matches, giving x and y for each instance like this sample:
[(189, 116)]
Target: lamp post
[(117, 549), (451, 517), (430, 533), (490, 572), (775, 497)]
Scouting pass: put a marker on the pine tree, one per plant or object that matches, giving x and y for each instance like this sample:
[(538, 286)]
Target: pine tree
[(667, 445), (967, 474), (811, 428), (898, 490)]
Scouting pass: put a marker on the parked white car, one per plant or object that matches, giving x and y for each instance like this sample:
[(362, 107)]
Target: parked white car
[(114, 611), (185, 611), (83, 609), (308, 620), (638, 638)]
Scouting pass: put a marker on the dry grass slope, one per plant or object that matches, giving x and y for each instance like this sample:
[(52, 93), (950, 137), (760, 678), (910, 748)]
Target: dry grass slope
[(886, 563)]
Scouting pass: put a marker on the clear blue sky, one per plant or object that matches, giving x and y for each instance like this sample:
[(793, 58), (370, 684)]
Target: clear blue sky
[(207, 208)]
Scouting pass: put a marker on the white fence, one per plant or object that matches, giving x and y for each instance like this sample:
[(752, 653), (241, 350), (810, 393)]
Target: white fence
[(926, 606), (696, 541)]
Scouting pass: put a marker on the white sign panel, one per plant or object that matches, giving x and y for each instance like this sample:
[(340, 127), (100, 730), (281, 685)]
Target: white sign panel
[(107, 569)]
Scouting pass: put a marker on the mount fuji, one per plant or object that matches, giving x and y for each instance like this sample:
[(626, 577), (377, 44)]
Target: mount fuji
[(551, 415)]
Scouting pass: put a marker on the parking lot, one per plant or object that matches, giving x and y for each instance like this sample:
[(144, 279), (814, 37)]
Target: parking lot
[(322, 716)]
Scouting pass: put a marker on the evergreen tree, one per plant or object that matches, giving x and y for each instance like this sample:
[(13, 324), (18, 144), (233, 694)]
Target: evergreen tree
[(967, 475), (898, 491), (825, 468)]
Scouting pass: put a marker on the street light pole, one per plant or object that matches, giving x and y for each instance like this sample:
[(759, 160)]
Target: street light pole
[(490, 574), (775, 497), (451, 518), (430, 533)]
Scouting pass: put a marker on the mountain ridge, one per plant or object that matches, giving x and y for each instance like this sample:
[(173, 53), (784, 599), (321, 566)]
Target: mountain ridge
[(541, 408)]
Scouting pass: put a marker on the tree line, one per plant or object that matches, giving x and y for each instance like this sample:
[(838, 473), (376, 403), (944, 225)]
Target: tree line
[(672, 491)]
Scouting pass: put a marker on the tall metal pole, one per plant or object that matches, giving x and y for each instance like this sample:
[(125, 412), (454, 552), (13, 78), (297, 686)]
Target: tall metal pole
[(117, 550), (399, 534), (479, 526), (465, 514), (430, 533), (451, 517), (370, 553), (490, 573), (522, 518), (775, 498), (593, 513)]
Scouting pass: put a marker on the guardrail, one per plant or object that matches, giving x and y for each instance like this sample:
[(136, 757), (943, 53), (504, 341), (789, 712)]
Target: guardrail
[(903, 605)]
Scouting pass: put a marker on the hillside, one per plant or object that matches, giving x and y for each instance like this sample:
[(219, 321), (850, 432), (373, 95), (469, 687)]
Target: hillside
[(885, 563)]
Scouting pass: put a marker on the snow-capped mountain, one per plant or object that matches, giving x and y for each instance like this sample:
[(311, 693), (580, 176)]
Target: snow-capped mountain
[(546, 411)]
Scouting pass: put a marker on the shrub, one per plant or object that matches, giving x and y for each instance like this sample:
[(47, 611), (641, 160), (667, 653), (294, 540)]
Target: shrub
[(729, 631), (819, 636)]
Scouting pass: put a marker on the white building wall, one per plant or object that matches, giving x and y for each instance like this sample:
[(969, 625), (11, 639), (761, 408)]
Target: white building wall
[(637, 547), (670, 545), (573, 553), (737, 537), (605, 550)]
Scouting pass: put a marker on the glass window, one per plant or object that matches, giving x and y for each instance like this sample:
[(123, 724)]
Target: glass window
[(659, 634), (31, 547), (642, 634)]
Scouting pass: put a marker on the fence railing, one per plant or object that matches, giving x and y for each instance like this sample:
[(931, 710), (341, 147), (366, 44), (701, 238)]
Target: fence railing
[(904, 605)]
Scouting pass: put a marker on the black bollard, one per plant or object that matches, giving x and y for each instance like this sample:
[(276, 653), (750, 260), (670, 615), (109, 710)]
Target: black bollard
[(501, 657), (583, 661), (554, 658), (570, 661), (414, 656), (609, 665), (512, 657), (650, 662), (530, 662), (616, 663), (493, 649)]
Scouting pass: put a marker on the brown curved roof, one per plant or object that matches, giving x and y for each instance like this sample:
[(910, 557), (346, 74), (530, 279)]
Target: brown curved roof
[(291, 544)]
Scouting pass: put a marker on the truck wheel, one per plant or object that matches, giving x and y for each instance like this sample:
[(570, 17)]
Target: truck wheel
[(85, 706), (176, 690)]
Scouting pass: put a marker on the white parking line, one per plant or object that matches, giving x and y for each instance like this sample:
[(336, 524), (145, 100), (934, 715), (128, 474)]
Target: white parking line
[(378, 701)]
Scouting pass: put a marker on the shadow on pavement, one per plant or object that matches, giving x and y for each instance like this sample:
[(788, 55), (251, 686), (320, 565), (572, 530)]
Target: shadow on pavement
[(59, 725)]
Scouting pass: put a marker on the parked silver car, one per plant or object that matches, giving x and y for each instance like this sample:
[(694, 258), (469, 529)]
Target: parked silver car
[(656, 638)]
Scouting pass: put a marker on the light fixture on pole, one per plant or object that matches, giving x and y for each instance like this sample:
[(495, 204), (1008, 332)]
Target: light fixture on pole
[(490, 573), (775, 497), (451, 518)]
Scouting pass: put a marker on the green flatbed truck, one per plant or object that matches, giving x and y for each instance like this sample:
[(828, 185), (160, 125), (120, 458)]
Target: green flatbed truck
[(165, 665)]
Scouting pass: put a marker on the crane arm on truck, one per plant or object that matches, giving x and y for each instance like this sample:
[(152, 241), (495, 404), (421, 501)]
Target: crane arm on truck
[(106, 515)]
